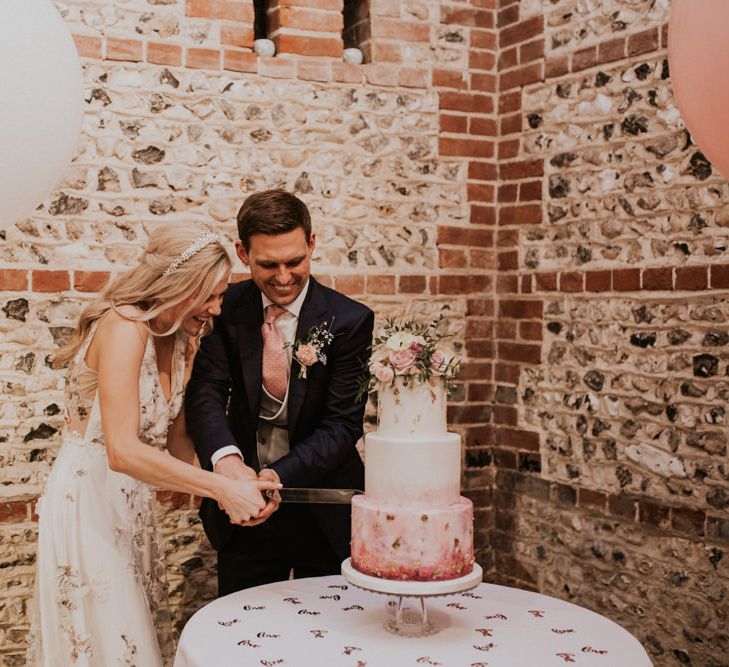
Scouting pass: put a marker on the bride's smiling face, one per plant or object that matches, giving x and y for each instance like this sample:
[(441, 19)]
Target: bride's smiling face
[(194, 320), (280, 264)]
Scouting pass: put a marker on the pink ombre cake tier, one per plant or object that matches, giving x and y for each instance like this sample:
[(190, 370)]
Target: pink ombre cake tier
[(411, 542)]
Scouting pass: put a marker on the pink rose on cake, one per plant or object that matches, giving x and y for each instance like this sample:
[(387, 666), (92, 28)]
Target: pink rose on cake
[(417, 349), (381, 372), (439, 362), (402, 360)]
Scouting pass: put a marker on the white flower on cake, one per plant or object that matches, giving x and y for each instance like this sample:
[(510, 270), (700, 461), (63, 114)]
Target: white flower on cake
[(403, 340)]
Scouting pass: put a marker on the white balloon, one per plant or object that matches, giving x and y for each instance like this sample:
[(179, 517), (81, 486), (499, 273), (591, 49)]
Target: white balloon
[(41, 104)]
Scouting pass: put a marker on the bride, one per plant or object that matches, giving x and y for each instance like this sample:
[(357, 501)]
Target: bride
[(101, 592)]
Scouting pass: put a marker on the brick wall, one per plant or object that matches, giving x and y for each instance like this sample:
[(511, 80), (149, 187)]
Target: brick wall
[(612, 310), (521, 162)]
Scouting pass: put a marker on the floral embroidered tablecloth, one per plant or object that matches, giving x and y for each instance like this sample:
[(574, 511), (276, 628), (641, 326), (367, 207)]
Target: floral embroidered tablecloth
[(327, 622)]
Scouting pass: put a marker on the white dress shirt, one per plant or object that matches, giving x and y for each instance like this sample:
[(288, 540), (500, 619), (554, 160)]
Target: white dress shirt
[(286, 325)]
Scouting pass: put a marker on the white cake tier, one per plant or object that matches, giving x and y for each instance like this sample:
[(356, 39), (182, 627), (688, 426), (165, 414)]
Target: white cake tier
[(410, 542), (415, 411), (405, 470)]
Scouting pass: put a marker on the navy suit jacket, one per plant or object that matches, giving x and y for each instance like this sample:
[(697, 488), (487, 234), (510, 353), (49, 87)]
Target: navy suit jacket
[(223, 399)]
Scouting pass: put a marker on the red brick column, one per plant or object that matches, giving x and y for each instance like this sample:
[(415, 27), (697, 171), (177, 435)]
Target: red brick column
[(519, 313), (306, 27), (467, 257)]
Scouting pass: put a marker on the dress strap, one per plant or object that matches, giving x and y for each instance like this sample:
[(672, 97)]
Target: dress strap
[(178, 371), (81, 354)]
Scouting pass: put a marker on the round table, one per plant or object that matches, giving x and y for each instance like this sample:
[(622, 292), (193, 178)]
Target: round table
[(325, 621)]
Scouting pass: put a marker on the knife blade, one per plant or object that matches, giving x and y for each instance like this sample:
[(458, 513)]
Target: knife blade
[(322, 496)]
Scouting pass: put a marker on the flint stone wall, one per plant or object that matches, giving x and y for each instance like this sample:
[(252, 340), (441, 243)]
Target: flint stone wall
[(622, 506)]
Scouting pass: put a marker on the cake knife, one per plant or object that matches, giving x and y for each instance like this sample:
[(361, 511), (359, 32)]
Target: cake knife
[(328, 496)]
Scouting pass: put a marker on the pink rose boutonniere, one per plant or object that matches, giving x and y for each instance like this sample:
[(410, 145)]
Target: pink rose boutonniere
[(312, 349)]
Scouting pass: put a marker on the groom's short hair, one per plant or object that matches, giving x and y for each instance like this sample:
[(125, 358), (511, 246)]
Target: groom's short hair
[(272, 212)]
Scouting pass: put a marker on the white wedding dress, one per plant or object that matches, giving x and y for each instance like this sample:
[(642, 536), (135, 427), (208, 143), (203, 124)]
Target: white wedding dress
[(101, 589)]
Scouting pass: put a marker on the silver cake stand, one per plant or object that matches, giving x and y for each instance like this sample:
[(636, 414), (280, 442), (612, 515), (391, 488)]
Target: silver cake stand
[(408, 622)]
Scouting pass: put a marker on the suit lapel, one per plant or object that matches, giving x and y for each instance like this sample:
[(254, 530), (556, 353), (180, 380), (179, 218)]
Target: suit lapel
[(313, 313), (250, 347)]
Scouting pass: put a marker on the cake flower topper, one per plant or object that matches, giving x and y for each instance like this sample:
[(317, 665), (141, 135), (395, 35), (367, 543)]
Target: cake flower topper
[(309, 351), (412, 350)]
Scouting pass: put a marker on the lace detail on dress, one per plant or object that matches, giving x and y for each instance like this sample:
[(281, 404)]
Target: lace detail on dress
[(80, 389), (101, 587)]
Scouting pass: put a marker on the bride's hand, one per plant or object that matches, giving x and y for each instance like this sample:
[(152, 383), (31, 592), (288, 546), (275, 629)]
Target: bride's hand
[(272, 502), (242, 499)]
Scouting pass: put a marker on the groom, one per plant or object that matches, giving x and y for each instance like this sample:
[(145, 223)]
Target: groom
[(252, 408)]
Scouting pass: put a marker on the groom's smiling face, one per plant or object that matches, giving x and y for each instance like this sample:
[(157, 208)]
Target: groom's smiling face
[(280, 264)]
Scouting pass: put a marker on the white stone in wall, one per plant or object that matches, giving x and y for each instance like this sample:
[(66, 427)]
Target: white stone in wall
[(528, 8), (23, 336), (656, 460), (671, 118), (201, 32)]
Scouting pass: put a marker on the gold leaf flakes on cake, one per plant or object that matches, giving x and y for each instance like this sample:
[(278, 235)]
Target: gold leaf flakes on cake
[(396, 544), (447, 526), (424, 517), (390, 517), (456, 543)]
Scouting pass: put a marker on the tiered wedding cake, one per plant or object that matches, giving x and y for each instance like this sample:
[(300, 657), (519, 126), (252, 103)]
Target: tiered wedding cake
[(412, 524)]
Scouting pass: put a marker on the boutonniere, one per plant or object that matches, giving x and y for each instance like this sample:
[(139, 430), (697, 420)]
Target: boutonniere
[(312, 349)]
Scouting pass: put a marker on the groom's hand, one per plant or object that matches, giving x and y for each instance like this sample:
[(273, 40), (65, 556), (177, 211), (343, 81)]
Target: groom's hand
[(232, 466), (269, 475)]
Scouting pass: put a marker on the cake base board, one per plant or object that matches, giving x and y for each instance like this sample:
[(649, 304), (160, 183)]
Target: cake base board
[(412, 588)]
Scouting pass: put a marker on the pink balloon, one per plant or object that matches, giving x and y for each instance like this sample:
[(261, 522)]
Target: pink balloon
[(698, 54)]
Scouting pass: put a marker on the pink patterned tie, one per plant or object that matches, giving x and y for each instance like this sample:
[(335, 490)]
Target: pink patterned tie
[(275, 360)]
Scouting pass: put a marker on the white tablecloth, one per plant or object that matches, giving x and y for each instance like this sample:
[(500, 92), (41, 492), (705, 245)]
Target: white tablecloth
[(329, 623)]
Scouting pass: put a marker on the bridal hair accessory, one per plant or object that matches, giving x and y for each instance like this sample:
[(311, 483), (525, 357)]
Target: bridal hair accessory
[(195, 247)]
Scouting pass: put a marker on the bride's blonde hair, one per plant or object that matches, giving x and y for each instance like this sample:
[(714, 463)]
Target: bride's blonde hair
[(179, 262)]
